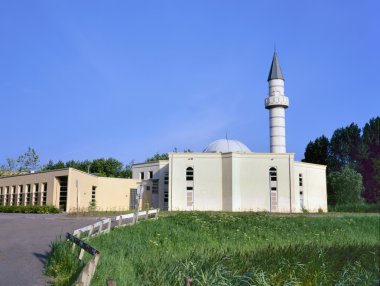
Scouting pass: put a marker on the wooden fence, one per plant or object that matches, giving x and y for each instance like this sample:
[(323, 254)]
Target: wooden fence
[(85, 276), (101, 227)]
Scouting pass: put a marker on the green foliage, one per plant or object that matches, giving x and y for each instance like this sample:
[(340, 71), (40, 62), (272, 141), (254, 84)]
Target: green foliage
[(317, 152), (242, 249), (345, 186), (62, 263), (92, 206), (102, 167), (157, 156), (356, 208), (349, 146), (29, 161), (29, 209)]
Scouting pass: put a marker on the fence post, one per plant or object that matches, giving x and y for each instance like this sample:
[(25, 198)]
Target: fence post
[(156, 217), (188, 281), (134, 219), (147, 214)]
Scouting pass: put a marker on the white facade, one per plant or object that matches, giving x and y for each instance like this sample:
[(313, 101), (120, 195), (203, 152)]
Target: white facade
[(227, 176)]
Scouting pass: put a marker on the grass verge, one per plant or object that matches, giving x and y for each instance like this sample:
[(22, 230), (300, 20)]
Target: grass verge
[(357, 208), (243, 249)]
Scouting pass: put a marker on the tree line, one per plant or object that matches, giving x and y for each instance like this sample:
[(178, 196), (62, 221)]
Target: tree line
[(352, 156)]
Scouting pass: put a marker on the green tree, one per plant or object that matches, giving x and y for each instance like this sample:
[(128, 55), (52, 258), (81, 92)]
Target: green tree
[(370, 160), (344, 186), (107, 167), (345, 145), (29, 161), (317, 151), (158, 156)]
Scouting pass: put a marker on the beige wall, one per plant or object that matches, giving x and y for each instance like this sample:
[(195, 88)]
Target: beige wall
[(110, 194)]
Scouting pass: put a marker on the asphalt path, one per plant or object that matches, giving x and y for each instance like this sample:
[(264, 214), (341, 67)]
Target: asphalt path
[(25, 242)]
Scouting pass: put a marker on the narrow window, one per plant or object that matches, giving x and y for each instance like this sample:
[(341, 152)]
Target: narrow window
[(20, 195), (189, 197), (93, 194), (166, 179), (300, 180), (273, 189), (1, 196), (155, 186), (142, 175), (8, 196), (148, 188), (150, 174), (189, 174), (36, 194), (44, 193), (28, 195)]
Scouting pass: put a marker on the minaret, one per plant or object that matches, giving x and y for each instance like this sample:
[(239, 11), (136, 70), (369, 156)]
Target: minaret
[(276, 102)]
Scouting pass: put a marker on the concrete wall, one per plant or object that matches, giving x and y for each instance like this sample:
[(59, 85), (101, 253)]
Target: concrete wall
[(314, 186), (207, 185)]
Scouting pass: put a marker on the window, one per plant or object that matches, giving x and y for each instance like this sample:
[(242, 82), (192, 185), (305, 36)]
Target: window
[(28, 195), (155, 186), (273, 174), (36, 194), (189, 197), (93, 194), (300, 180), (44, 193), (189, 174), (150, 174), (273, 189), (166, 179), (1, 196), (142, 175), (148, 188), (20, 195)]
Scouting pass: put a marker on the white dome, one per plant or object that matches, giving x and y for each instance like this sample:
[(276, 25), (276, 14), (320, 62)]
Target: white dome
[(226, 145)]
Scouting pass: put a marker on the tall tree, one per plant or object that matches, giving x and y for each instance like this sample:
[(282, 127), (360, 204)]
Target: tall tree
[(317, 151), (29, 161), (370, 160), (345, 147)]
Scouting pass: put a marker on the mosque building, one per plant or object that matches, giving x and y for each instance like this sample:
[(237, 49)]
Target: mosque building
[(228, 176)]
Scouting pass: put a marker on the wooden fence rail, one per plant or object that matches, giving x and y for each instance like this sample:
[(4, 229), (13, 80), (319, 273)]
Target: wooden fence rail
[(84, 278), (101, 227)]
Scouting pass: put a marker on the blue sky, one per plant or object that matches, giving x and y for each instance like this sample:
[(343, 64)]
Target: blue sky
[(126, 79)]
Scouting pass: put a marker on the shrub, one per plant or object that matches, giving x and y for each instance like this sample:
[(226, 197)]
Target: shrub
[(29, 209), (345, 187)]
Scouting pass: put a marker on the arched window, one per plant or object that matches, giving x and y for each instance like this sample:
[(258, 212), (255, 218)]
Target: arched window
[(189, 174), (273, 174)]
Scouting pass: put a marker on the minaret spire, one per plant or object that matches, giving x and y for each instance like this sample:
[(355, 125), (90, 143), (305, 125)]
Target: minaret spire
[(276, 102)]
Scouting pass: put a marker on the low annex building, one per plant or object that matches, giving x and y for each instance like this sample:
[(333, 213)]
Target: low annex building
[(70, 190), (228, 176)]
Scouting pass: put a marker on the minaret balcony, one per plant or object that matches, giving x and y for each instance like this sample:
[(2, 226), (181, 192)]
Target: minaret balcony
[(277, 100)]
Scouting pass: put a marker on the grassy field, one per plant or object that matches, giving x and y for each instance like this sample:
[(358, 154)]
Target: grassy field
[(237, 249)]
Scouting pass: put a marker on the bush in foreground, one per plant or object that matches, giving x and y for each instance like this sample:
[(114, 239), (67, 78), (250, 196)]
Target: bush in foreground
[(29, 209)]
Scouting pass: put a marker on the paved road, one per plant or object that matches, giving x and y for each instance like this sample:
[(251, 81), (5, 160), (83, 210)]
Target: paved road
[(25, 241)]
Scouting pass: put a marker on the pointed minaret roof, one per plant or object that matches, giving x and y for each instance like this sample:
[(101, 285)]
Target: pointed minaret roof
[(275, 70)]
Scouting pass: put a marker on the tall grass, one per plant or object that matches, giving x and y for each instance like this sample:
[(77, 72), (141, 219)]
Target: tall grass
[(63, 264), (243, 249)]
